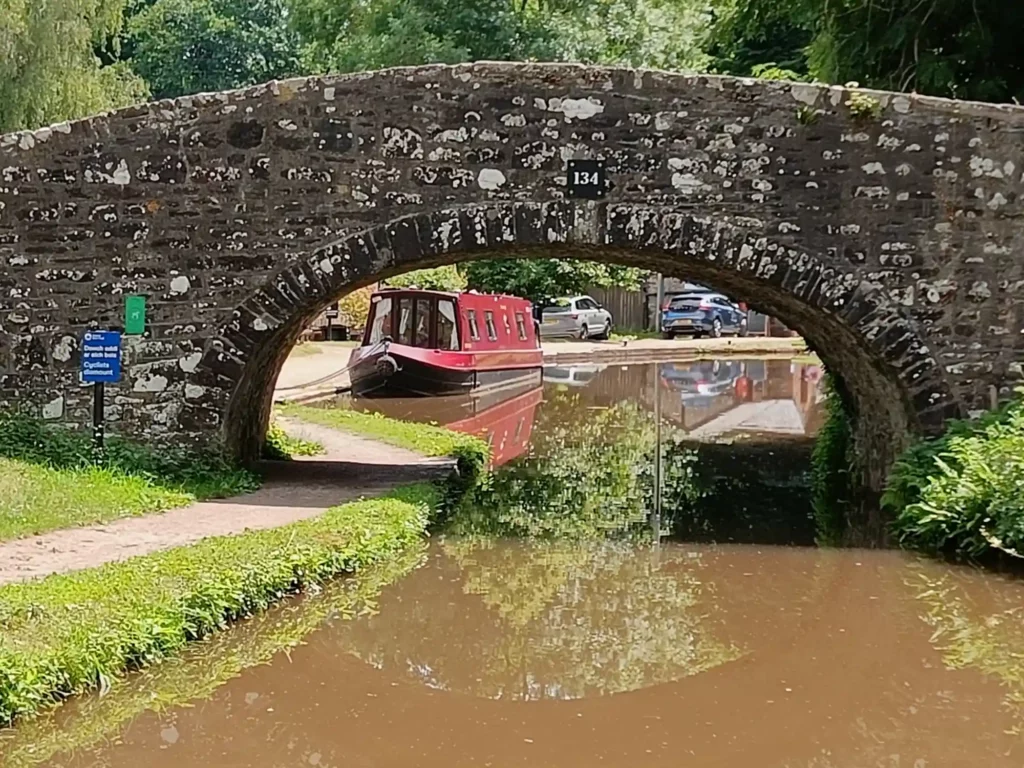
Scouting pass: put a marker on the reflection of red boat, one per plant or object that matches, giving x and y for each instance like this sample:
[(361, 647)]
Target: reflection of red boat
[(503, 418), (436, 343), (506, 427)]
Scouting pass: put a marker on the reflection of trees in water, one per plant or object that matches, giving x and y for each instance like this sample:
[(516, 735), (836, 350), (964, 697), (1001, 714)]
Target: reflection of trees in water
[(582, 476), (989, 640), (547, 620), (590, 472)]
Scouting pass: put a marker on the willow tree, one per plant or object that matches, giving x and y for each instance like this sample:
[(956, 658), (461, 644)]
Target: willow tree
[(49, 67)]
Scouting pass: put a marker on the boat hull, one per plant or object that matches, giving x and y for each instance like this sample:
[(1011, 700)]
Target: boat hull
[(394, 374)]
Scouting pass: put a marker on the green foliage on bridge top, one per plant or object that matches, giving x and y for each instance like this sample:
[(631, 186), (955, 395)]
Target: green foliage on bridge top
[(964, 492), (67, 634), (52, 478)]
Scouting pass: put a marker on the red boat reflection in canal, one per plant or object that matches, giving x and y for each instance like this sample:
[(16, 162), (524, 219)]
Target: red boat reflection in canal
[(504, 419)]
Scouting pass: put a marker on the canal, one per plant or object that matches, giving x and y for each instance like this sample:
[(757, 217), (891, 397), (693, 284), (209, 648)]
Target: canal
[(552, 622)]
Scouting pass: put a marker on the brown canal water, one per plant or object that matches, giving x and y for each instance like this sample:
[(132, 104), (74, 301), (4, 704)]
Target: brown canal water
[(548, 626)]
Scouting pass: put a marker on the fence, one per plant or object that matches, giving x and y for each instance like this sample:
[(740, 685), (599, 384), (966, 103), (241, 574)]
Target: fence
[(628, 308)]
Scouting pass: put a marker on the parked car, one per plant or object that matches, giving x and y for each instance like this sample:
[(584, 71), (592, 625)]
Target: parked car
[(571, 375), (576, 317), (702, 313)]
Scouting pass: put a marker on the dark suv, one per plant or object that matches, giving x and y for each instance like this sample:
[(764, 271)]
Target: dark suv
[(701, 313)]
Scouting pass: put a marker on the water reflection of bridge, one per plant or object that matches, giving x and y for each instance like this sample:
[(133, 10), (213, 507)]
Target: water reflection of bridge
[(710, 399)]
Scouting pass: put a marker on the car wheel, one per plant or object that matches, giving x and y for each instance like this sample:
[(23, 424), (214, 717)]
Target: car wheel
[(584, 333), (743, 328), (667, 335), (716, 328)]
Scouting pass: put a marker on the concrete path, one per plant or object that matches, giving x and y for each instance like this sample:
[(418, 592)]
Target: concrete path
[(353, 467)]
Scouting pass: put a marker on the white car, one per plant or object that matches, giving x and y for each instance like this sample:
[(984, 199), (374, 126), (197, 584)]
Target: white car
[(577, 317)]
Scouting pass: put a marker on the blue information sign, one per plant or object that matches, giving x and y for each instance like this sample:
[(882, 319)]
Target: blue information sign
[(101, 357)]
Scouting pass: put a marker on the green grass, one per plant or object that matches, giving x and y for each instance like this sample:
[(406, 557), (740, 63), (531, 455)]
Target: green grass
[(36, 498), (67, 634), (280, 446), (425, 439), (50, 478), (198, 672)]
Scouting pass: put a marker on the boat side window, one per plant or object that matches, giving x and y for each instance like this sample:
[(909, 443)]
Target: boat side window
[(405, 321), (381, 324), (423, 318), (492, 332), (521, 325), (508, 325), (447, 328), (474, 331)]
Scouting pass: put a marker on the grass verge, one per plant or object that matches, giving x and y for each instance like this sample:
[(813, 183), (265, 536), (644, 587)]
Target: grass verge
[(67, 634), (280, 446), (198, 672), (50, 478), (472, 453), (963, 493)]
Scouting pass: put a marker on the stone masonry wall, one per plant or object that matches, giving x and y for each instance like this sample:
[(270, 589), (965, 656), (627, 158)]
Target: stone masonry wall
[(885, 227)]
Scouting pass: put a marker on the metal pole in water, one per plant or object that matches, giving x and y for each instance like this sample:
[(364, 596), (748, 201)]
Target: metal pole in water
[(656, 512)]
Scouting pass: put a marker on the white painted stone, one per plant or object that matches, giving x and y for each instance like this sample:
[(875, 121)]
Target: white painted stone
[(54, 409), (180, 285), (194, 391), (688, 184), (490, 178), (326, 266), (63, 349), (150, 383), (580, 109), (259, 324), (901, 104), (329, 94), (873, 168), (805, 94), (121, 175), (190, 362)]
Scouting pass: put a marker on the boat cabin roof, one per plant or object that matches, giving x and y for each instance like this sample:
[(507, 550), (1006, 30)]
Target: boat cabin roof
[(465, 298)]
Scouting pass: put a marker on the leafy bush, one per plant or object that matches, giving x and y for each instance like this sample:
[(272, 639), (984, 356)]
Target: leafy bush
[(280, 446), (70, 633), (963, 492), (831, 464)]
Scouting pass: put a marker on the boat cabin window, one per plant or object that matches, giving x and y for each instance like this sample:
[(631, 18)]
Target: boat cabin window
[(447, 328), (423, 316), (521, 325), (508, 325), (405, 321), (380, 326), (474, 331), (492, 331)]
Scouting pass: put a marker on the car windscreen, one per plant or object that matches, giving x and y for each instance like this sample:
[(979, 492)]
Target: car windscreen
[(557, 306)]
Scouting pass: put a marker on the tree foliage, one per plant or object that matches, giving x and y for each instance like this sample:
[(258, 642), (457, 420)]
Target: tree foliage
[(192, 46), (963, 49), (49, 69), (537, 279), (447, 278)]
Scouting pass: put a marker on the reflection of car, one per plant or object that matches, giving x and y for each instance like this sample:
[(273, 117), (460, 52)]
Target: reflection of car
[(700, 313), (707, 378), (577, 316), (571, 375)]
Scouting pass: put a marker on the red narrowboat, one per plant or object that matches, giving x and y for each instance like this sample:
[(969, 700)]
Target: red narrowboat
[(426, 343)]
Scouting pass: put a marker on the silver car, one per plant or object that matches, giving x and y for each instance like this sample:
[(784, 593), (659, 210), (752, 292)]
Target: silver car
[(578, 317)]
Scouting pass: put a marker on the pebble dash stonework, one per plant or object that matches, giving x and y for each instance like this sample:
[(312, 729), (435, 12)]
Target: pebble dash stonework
[(889, 237)]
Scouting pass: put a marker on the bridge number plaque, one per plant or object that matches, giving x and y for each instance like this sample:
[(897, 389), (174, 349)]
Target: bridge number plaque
[(587, 179)]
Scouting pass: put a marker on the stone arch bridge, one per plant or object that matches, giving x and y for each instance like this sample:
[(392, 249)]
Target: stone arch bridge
[(886, 228)]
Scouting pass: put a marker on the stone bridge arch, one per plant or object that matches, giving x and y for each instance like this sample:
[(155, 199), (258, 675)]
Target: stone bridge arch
[(885, 227)]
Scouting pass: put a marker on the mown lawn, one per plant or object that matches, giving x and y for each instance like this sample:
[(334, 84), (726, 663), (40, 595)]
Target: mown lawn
[(35, 498)]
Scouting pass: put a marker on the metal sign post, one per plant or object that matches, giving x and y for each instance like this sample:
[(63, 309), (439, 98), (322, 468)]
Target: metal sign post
[(101, 364)]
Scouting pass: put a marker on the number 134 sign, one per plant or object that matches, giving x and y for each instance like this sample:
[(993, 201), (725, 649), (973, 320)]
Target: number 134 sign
[(586, 179)]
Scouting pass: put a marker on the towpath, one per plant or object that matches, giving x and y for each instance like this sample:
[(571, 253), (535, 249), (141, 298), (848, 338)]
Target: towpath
[(353, 467)]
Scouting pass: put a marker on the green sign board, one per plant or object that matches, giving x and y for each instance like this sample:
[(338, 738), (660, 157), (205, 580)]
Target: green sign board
[(135, 315)]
